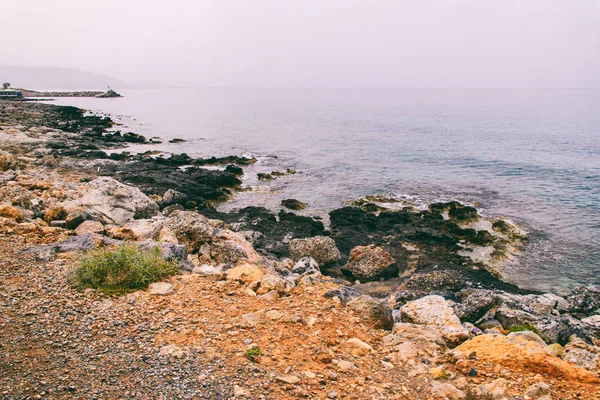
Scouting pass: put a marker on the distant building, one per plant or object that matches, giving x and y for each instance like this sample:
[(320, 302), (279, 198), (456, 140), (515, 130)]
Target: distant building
[(10, 93)]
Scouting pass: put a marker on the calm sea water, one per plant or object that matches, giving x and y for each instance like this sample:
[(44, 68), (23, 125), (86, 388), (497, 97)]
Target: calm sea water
[(531, 155)]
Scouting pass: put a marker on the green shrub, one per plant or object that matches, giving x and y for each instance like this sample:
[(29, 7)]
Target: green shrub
[(122, 269), (253, 352)]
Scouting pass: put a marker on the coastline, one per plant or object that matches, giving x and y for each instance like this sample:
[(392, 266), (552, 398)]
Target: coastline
[(66, 150)]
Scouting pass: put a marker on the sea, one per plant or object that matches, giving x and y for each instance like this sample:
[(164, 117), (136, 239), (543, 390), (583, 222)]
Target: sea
[(530, 155)]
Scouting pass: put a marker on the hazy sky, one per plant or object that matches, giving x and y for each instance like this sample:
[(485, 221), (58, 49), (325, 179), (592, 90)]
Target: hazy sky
[(312, 43)]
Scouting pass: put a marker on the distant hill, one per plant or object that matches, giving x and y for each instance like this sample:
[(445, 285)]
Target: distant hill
[(51, 78)]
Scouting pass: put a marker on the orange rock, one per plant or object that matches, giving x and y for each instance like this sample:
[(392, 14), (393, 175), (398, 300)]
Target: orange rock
[(519, 354), (12, 213)]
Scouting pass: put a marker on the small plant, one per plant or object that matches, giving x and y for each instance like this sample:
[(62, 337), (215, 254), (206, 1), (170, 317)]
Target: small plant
[(252, 353), (122, 269), (524, 327), (6, 85)]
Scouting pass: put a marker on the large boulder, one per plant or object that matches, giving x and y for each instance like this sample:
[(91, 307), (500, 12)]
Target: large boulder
[(229, 247), (519, 353), (145, 229), (373, 312), (109, 201), (369, 263), (190, 228), (435, 311), (321, 248), (412, 340)]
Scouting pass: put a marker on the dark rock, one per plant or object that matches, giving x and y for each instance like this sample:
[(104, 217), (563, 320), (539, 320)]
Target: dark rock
[(169, 209), (234, 169), (344, 293), (373, 312), (584, 300), (294, 204), (176, 140)]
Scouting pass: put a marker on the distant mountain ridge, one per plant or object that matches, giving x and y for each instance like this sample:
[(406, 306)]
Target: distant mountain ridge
[(53, 78)]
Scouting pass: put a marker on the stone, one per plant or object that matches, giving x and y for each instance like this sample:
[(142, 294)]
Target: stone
[(555, 350), (245, 273), (169, 251), (439, 373), (373, 312), (272, 282), (190, 228), (172, 350), (529, 335), (109, 201), (271, 296), (414, 341), (144, 229), (160, 288), (332, 394), (496, 389), (521, 355), (290, 379), (306, 266), (355, 342), (583, 354), (206, 270), (539, 391), (294, 204), (321, 248), (369, 263), (229, 247), (435, 311), (594, 320), (251, 319), (12, 213), (344, 293), (57, 223), (74, 220), (174, 197), (584, 300), (447, 391), (239, 392), (7, 161), (346, 366), (274, 315)]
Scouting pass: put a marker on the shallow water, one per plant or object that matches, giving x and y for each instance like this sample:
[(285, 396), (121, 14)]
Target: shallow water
[(531, 155)]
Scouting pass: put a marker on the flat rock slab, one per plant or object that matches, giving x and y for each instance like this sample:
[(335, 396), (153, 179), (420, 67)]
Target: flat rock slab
[(160, 288)]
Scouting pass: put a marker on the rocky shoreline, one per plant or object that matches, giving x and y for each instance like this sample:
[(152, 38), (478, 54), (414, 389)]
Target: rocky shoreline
[(392, 291)]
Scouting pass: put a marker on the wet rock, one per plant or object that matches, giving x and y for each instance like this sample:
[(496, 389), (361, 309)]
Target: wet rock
[(368, 263), (109, 201), (434, 311), (276, 233), (373, 312), (294, 204), (321, 248)]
